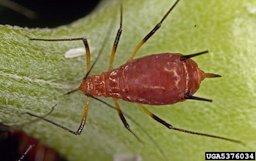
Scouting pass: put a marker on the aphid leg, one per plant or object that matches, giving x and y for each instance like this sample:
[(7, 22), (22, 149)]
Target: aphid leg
[(84, 117), (99, 53), (197, 98), (155, 117), (124, 121), (152, 32), (169, 126), (185, 57), (118, 35), (81, 126)]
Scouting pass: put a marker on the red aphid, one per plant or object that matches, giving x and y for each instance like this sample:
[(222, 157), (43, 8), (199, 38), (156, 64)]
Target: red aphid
[(157, 79)]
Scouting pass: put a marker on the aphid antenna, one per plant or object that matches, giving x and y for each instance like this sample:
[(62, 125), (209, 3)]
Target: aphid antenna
[(185, 57), (72, 91)]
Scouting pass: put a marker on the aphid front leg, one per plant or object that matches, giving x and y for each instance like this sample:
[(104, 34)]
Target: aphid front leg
[(84, 117), (152, 32)]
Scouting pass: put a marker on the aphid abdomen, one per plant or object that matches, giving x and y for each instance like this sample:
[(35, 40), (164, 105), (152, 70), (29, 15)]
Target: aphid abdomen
[(195, 76), (156, 79), (160, 79)]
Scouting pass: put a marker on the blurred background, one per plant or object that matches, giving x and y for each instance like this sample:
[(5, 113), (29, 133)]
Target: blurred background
[(43, 13)]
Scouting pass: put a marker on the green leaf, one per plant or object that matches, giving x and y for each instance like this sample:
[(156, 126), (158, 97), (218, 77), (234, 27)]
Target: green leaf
[(34, 76)]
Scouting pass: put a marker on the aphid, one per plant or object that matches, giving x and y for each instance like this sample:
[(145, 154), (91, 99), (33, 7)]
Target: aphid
[(16, 145), (158, 79)]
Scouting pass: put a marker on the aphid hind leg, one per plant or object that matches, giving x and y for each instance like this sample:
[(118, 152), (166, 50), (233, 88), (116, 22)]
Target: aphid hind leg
[(81, 126), (156, 118), (152, 32), (171, 127), (118, 35), (123, 119), (135, 122)]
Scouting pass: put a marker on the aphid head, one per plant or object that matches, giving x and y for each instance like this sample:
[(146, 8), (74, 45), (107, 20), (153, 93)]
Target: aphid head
[(86, 85)]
